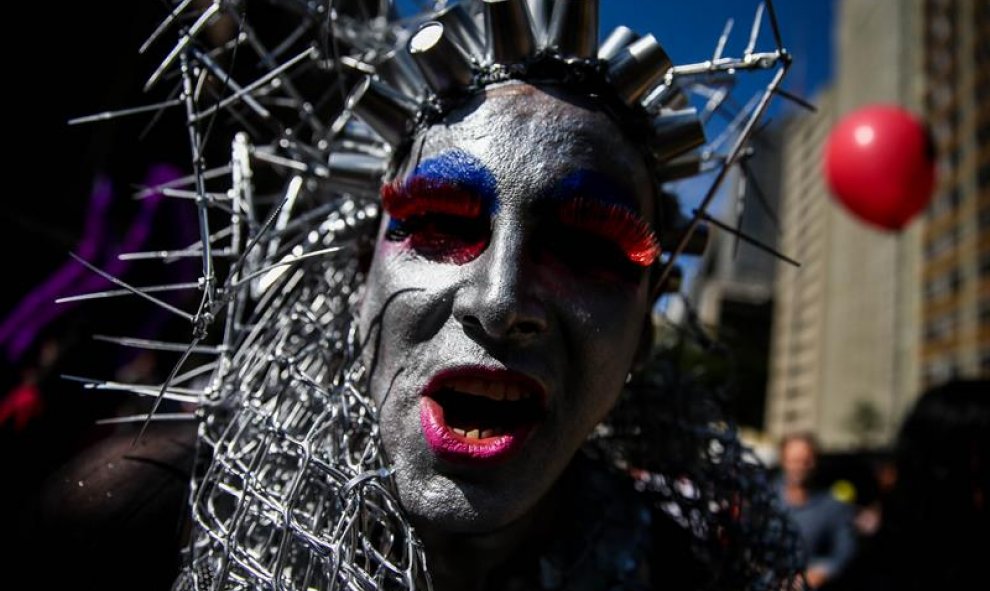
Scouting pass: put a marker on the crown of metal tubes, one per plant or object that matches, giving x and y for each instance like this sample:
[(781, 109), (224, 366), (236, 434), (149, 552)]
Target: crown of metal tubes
[(452, 54)]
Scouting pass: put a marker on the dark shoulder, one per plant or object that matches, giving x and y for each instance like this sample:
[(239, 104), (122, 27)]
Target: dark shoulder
[(636, 541), (115, 510)]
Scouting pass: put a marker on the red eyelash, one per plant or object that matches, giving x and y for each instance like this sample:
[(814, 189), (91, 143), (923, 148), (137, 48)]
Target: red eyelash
[(616, 223), (423, 195)]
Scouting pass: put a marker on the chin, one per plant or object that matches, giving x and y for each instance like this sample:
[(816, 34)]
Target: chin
[(451, 504)]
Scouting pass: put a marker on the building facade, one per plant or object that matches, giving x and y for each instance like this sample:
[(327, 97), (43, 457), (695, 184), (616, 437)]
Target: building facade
[(956, 272), (845, 350)]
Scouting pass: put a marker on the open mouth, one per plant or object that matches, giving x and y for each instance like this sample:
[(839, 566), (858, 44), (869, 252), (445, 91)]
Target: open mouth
[(480, 415)]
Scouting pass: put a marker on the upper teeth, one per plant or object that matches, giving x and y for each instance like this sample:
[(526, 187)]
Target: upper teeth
[(489, 389)]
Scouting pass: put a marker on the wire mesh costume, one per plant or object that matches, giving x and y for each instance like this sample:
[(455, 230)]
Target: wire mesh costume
[(292, 488)]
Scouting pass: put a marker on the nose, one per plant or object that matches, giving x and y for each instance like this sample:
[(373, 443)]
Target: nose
[(499, 298)]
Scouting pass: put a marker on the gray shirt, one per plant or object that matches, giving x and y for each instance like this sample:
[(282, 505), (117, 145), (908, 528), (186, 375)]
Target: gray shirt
[(826, 526)]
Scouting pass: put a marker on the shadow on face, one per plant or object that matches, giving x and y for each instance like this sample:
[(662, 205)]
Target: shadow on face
[(511, 280)]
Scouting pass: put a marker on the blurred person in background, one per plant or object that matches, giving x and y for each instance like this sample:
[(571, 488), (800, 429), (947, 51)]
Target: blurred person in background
[(825, 524), (933, 533)]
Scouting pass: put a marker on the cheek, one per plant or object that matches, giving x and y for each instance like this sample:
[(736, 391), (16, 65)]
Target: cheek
[(603, 334)]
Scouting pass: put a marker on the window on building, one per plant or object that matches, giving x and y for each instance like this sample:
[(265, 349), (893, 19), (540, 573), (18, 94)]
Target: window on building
[(944, 202), (941, 327), (942, 243), (944, 284), (983, 176)]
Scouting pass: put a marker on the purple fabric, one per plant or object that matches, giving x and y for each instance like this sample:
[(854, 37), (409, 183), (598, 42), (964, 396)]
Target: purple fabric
[(37, 309)]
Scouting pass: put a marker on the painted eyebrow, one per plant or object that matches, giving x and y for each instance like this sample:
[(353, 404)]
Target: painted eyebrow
[(591, 202), (452, 183)]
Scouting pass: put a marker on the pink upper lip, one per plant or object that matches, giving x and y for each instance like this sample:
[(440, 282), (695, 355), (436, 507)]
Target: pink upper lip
[(504, 375)]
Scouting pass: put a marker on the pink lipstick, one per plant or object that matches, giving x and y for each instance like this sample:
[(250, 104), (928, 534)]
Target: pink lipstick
[(479, 415)]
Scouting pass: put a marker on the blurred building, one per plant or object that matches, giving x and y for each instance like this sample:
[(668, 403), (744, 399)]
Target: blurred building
[(956, 271), (733, 289), (845, 350)]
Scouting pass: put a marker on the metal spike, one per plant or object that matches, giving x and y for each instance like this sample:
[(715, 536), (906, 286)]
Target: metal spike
[(730, 160), (168, 255), (158, 418), (283, 263), (212, 173), (619, 38), (183, 43), (754, 31), (745, 237), (162, 304), (124, 292), (166, 385), (722, 40), (444, 66), (573, 29), (108, 115), (177, 394), (637, 68), (165, 24), (797, 100), (774, 25), (153, 345), (244, 94), (356, 171), (194, 372), (509, 33)]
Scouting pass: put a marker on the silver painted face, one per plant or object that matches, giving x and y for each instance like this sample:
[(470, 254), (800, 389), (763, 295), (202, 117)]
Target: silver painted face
[(557, 306)]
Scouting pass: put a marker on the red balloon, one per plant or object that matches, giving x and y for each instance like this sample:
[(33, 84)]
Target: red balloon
[(880, 164)]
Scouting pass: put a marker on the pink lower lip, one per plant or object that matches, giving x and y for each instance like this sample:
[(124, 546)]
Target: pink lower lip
[(453, 447)]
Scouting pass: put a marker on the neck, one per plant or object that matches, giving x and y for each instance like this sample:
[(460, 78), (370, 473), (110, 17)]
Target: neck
[(478, 561), (796, 493)]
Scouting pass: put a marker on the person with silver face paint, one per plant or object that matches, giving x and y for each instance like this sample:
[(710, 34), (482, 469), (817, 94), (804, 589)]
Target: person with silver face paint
[(467, 410), (511, 308)]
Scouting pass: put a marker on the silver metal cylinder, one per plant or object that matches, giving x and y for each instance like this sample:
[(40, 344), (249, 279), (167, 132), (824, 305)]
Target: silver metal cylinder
[(619, 38), (509, 34), (398, 71), (356, 172), (441, 61), (676, 133), (637, 68), (665, 96), (573, 29), (540, 12), (383, 108), (460, 26)]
